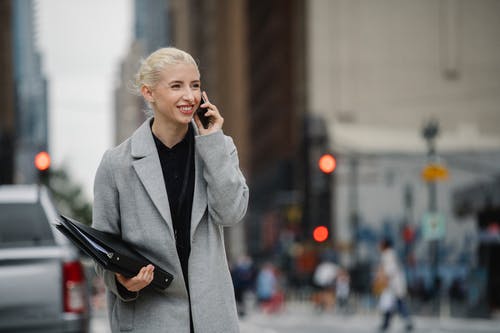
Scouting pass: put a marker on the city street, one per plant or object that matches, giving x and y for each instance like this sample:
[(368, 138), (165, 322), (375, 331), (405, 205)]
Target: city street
[(319, 163), (301, 317)]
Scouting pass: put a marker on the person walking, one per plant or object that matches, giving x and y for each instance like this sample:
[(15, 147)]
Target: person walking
[(269, 296), (243, 275), (169, 190), (342, 289), (394, 292), (324, 279)]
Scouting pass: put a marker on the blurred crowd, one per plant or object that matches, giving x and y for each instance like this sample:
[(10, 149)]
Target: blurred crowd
[(268, 285)]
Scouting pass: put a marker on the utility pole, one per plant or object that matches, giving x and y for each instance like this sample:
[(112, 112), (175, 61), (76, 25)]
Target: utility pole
[(7, 111), (430, 131), (354, 206)]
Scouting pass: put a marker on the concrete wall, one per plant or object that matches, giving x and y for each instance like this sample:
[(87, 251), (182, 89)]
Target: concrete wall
[(399, 62)]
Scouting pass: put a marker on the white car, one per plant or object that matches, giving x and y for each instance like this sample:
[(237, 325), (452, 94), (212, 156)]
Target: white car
[(42, 282)]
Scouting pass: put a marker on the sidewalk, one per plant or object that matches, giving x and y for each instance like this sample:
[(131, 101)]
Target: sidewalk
[(302, 314)]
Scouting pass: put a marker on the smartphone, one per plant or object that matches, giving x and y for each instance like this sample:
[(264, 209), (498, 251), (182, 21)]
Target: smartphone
[(205, 121)]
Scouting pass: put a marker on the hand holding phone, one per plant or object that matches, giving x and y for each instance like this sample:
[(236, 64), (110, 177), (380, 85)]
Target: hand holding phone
[(205, 120), (209, 119)]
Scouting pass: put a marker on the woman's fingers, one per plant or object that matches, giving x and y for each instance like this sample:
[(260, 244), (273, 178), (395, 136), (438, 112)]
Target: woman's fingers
[(146, 274), (205, 96), (216, 120), (138, 282)]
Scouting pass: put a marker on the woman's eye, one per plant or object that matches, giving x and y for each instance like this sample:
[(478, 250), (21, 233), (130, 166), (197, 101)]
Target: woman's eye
[(175, 86), (196, 85)]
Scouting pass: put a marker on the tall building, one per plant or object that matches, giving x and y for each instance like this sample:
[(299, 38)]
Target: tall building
[(151, 31), (152, 24), (277, 78), (7, 124), (129, 106), (30, 88)]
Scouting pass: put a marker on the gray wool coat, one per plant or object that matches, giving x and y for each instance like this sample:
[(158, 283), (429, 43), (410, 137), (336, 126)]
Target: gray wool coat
[(130, 199)]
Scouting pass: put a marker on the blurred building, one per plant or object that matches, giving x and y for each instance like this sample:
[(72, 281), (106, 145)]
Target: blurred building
[(152, 24), (277, 81), (151, 31), (7, 124), (24, 129), (129, 106), (378, 71)]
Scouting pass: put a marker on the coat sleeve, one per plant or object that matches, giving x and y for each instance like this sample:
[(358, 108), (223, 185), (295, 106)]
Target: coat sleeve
[(106, 217), (227, 191)]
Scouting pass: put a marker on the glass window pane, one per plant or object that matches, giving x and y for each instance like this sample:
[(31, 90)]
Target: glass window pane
[(24, 224)]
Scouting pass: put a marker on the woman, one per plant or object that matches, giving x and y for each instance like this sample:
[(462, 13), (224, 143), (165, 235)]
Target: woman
[(394, 293), (169, 190)]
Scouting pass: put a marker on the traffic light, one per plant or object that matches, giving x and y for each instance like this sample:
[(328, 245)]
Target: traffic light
[(319, 167), (42, 163), (320, 233), (327, 163)]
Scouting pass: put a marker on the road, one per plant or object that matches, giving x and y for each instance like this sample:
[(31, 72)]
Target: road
[(301, 317)]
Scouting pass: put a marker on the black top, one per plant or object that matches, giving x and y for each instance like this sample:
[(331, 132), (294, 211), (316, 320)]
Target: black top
[(177, 164)]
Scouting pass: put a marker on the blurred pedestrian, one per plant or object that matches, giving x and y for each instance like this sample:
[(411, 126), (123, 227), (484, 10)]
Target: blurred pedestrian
[(342, 289), (324, 281), (393, 296), (268, 293), (169, 190), (243, 275)]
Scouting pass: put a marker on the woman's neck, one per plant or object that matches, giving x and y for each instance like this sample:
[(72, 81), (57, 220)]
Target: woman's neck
[(168, 133)]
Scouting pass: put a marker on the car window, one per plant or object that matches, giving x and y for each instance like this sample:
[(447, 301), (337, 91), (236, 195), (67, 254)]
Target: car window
[(24, 224)]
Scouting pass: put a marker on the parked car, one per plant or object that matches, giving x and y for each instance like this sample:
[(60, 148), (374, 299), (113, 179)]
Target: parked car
[(42, 282)]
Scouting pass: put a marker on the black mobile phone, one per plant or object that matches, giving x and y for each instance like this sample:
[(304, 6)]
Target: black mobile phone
[(205, 121)]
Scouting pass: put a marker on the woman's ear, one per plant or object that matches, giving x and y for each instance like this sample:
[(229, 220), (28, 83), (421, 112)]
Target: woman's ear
[(147, 93)]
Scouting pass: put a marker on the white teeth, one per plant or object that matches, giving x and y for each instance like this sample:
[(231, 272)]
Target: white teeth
[(185, 108)]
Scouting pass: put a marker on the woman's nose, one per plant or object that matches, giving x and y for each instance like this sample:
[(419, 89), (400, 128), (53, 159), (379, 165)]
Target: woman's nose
[(189, 95)]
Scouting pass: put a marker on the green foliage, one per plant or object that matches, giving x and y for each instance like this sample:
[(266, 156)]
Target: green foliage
[(69, 197)]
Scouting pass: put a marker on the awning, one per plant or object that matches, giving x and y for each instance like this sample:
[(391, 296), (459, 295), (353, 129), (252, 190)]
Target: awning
[(369, 139)]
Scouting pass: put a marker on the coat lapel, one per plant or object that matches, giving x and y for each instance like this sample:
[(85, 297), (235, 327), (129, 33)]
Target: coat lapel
[(200, 191), (148, 168)]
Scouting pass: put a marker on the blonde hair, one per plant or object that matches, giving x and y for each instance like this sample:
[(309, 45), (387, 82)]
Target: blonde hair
[(149, 74)]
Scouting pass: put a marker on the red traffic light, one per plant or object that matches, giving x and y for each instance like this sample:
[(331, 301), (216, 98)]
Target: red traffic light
[(327, 163), (320, 233), (42, 161)]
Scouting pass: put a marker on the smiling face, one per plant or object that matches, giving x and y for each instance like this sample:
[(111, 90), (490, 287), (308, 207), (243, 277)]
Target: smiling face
[(177, 95)]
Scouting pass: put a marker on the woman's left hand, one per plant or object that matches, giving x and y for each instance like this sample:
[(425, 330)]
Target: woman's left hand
[(216, 120)]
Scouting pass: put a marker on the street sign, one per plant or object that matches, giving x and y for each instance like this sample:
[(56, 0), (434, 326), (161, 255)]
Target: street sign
[(435, 172), (433, 226)]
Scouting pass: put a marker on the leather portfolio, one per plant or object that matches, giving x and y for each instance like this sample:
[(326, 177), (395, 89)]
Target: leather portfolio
[(110, 251)]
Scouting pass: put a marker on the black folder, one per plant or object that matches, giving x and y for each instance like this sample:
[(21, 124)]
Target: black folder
[(110, 251)]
